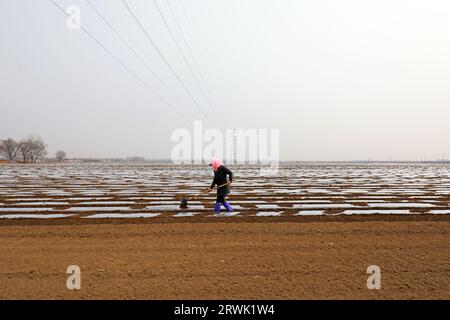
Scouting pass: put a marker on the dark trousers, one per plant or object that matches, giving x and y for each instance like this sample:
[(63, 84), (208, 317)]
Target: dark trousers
[(220, 199), (221, 194)]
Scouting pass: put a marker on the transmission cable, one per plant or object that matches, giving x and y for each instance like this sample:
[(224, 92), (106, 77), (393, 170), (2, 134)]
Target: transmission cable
[(202, 78), (122, 63), (149, 38), (186, 61), (136, 54)]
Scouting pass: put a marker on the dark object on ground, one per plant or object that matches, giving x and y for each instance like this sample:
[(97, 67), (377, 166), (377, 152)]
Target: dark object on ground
[(184, 204)]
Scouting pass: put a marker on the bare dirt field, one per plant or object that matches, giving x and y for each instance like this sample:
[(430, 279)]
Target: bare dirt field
[(308, 233), (227, 260)]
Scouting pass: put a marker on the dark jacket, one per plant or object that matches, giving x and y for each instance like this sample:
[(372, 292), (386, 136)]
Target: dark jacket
[(220, 176)]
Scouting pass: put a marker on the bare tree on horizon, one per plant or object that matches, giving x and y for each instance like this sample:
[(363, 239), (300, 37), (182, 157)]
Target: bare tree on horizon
[(38, 149), (32, 149), (25, 149), (9, 149)]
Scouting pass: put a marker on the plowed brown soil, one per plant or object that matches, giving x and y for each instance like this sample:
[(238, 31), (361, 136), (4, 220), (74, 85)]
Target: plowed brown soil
[(226, 259)]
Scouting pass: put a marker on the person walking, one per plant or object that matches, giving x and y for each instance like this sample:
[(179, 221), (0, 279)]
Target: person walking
[(223, 177)]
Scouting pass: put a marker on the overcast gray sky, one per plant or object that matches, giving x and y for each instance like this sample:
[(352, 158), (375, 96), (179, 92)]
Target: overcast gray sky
[(342, 80)]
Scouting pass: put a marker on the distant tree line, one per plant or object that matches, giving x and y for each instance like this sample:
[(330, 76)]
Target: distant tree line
[(31, 149)]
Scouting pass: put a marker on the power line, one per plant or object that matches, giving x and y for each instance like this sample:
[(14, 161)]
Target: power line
[(202, 56), (149, 38), (180, 30), (180, 51), (121, 63), (136, 54)]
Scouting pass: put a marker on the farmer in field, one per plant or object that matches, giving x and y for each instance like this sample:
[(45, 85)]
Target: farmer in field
[(220, 179)]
